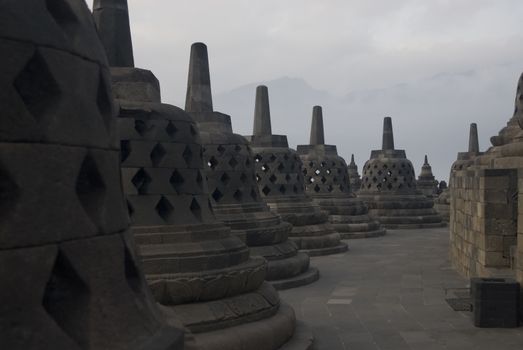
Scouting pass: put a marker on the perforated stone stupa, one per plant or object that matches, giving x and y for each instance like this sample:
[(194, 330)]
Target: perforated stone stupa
[(69, 275), (232, 179), (354, 175), (389, 188), (280, 180), (327, 182), (194, 265), (427, 183)]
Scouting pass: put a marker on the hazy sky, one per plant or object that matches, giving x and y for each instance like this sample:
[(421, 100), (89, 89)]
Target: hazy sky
[(433, 65)]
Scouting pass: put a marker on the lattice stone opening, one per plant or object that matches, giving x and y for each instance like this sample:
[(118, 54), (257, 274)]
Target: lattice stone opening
[(171, 130), (265, 168), (273, 178), (187, 155), (141, 181), (217, 195), (266, 190), (164, 208), (125, 150), (225, 179), (221, 149), (193, 130), (37, 87), (237, 148), (196, 210), (258, 158), (282, 189), (212, 163), (238, 195), (177, 181), (63, 15), (141, 127), (233, 162), (157, 154), (254, 194)]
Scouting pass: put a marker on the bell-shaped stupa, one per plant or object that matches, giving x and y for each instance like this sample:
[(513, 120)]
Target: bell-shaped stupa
[(389, 188), (195, 267), (69, 276), (427, 183), (354, 175), (280, 180), (327, 182)]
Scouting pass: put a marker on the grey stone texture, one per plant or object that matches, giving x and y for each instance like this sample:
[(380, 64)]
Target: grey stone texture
[(327, 182), (201, 273), (280, 181), (442, 204), (427, 183), (389, 188), (354, 175), (70, 278), (234, 198), (486, 238)]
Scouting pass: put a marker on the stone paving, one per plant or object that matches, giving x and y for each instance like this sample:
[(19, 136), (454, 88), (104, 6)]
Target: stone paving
[(389, 293)]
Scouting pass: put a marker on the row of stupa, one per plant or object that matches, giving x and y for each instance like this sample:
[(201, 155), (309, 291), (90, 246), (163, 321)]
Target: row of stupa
[(219, 222)]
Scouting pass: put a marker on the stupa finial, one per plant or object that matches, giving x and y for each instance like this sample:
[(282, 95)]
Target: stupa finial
[(473, 139), (199, 96), (112, 20), (262, 112), (317, 132), (388, 135)]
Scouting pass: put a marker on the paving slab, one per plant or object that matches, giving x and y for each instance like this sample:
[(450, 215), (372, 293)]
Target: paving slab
[(389, 293)]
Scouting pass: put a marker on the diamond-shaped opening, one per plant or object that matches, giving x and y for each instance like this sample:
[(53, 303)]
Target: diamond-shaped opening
[(323, 164), (258, 158), (164, 208), (375, 166), (400, 186), (282, 189), (66, 298), (385, 166), (243, 178), (389, 173), (193, 130), (141, 181), (323, 179), (258, 178), (104, 102), (9, 192), (369, 186), (141, 127), (311, 164), (342, 188), (317, 188), (171, 130), (247, 162), (63, 15), (286, 157), (288, 178), (177, 181), (312, 180), (272, 158), (132, 276), (295, 189), (374, 180), (273, 178), (90, 188), (379, 186), (380, 172), (330, 188), (37, 87), (266, 190), (225, 179), (254, 194), (389, 186), (328, 171), (265, 168), (281, 167), (233, 162), (196, 210), (395, 179), (304, 171), (317, 172), (125, 150), (157, 154), (237, 148), (217, 195), (212, 163), (384, 179), (403, 165), (199, 179), (187, 155), (221, 149), (335, 179), (238, 195)]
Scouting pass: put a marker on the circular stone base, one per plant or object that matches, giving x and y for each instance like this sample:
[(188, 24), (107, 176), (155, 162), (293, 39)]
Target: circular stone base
[(308, 277), (276, 332), (367, 234), (341, 248)]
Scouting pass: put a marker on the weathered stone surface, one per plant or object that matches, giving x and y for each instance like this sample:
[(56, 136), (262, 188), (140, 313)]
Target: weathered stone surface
[(327, 182), (354, 175), (68, 271), (389, 188), (427, 183), (280, 181)]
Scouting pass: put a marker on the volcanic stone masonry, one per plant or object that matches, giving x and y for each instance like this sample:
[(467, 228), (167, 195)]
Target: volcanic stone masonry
[(232, 182), (442, 202), (426, 183), (280, 180), (389, 188), (195, 267), (485, 237), (327, 182), (354, 175), (69, 275)]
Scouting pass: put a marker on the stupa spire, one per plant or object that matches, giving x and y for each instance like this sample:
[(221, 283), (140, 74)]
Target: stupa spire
[(388, 135), (426, 160), (199, 96), (317, 132), (262, 112), (473, 139), (352, 162), (112, 20)]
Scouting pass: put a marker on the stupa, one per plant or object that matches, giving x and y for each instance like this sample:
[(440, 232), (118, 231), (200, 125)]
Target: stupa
[(280, 181), (195, 267), (389, 188), (327, 182), (354, 175), (69, 276), (229, 167), (465, 159), (427, 183)]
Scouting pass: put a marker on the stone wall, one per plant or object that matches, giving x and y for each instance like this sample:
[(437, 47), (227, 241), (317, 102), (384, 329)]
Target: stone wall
[(483, 223)]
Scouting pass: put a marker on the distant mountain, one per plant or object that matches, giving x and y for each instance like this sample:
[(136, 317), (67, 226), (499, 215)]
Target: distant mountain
[(430, 116)]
